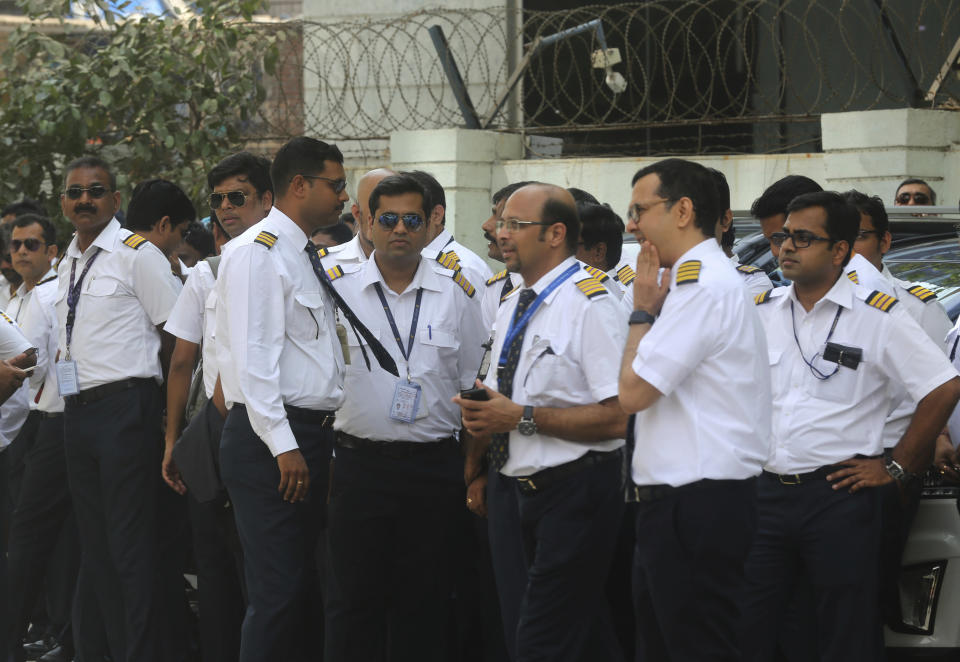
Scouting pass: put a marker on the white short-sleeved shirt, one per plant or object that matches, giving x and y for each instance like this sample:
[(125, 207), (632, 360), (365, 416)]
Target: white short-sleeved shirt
[(755, 278), (40, 318), (125, 295), (451, 254), (570, 356), (863, 273), (953, 352), (822, 422), (445, 357), (14, 411), (495, 288), (276, 339), (349, 253), (706, 354), (193, 319)]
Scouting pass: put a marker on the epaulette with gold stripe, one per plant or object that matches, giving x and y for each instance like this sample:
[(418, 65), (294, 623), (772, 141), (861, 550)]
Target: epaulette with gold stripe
[(6, 317), (689, 272), (763, 297), (592, 287), (852, 275), (626, 274), (449, 261), (462, 281), (497, 277), (323, 252), (265, 238), (47, 280), (748, 269), (334, 273), (599, 274), (504, 297), (884, 302), (134, 241), (922, 293)]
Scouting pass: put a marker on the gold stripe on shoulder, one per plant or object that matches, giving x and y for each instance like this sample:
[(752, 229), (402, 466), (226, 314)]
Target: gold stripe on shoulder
[(47, 280), (322, 252), (6, 317), (497, 277), (626, 274), (265, 238), (881, 301), (599, 274), (591, 286), (748, 268), (462, 281), (505, 296), (689, 272), (449, 260), (134, 241), (922, 293), (852, 275), (334, 273), (763, 297)]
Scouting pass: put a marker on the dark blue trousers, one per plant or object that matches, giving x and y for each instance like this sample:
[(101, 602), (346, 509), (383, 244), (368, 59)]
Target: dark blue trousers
[(284, 614), (568, 533), (826, 542), (506, 552), (688, 571), (113, 447)]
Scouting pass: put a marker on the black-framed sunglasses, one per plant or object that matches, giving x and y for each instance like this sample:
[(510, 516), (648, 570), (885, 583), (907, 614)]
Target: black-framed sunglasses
[(96, 191), (235, 198), (863, 234), (336, 184), (800, 238), (413, 222), (918, 197), (31, 244)]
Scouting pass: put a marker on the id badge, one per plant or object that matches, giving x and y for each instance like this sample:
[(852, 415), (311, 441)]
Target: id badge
[(406, 401), (67, 380)]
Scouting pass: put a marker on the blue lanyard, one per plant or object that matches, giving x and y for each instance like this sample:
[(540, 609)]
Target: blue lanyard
[(73, 295), (516, 326), (393, 323)]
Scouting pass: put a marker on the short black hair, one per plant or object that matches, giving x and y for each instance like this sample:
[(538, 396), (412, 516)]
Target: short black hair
[(600, 224), (154, 199), (25, 206), (339, 232), (729, 235), (200, 238), (914, 180), (509, 190), (49, 231), (680, 178), (91, 162), (778, 195), (843, 219), (301, 156), (556, 210), (434, 191), (243, 164), (347, 218), (398, 185), (872, 206), (582, 196)]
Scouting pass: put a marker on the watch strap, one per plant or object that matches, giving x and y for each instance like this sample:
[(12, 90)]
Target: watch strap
[(641, 317)]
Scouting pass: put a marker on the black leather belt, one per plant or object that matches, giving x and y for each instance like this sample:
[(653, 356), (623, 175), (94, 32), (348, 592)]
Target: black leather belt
[(91, 395), (651, 493), (546, 477), (395, 449), (319, 417), (800, 479)]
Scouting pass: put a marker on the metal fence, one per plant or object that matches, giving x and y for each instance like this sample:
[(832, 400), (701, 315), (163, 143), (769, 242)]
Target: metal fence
[(702, 75)]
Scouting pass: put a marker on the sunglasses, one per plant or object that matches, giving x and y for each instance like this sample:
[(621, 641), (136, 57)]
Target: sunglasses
[(31, 244), (235, 198), (336, 184), (918, 197), (800, 238), (96, 192), (413, 222)]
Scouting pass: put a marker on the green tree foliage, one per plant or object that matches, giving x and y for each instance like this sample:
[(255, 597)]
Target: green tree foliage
[(157, 96)]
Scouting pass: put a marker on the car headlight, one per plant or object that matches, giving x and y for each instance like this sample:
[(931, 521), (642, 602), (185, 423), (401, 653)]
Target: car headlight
[(920, 586)]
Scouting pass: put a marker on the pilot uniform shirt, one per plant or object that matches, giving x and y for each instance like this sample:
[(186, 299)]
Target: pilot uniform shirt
[(923, 307), (863, 273), (126, 293), (444, 359), (14, 411), (706, 355), (453, 255), (755, 278), (349, 253), (816, 422), (953, 353), (276, 340), (621, 277), (21, 298), (570, 356), (40, 319), (194, 319), (495, 289)]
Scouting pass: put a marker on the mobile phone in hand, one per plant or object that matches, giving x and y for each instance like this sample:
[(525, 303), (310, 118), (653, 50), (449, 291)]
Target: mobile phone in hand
[(478, 394)]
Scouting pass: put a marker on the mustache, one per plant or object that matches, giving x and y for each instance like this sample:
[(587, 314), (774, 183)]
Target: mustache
[(489, 237), (85, 208)]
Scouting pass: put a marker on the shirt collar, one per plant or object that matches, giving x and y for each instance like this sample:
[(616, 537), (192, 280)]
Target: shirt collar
[(286, 227), (425, 276), (352, 250), (842, 293), (107, 239), (549, 277), (706, 250), (886, 273), (438, 244)]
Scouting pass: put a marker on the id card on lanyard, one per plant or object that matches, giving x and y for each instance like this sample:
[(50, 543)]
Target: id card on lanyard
[(68, 381), (407, 404)]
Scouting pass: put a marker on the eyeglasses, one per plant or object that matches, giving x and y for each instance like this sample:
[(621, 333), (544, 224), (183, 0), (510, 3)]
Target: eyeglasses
[(30, 243), (336, 184), (412, 222), (919, 198), (800, 238), (514, 224), (863, 234), (636, 211), (96, 191), (235, 198)]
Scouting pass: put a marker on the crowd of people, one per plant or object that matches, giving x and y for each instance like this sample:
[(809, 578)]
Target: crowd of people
[(367, 445)]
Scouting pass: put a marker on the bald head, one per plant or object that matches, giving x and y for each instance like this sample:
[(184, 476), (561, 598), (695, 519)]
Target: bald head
[(361, 206)]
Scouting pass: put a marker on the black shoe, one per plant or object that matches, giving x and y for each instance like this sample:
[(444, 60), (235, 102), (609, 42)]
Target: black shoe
[(35, 649), (58, 654)]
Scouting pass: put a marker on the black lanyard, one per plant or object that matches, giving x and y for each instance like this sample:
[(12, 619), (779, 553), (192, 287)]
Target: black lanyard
[(393, 323), (73, 295), (816, 372)]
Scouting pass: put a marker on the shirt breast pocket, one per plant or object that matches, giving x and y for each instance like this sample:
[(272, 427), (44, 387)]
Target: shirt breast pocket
[(841, 386), (104, 297), (551, 375), (304, 323), (438, 347)]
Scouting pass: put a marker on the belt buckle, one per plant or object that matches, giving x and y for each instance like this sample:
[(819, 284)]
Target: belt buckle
[(783, 479), (528, 482), (323, 423)]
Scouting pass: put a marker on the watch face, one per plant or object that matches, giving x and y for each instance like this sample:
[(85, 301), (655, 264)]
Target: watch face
[(526, 427)]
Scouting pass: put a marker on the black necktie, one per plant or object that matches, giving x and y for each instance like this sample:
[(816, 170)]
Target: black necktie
[(379, 351), (499, 443)]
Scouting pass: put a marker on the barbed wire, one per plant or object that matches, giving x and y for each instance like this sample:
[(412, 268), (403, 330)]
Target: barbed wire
[(692, 67)]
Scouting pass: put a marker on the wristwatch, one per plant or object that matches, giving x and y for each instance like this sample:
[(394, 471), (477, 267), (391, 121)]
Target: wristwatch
[(527, 426), (896, 471), (641, 317)]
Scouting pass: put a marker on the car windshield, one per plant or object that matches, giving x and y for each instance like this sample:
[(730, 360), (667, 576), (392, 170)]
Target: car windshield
[(932, 264)]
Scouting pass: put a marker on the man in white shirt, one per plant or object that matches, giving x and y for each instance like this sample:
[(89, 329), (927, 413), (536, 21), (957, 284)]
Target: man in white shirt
[(754, 278), (114, 293), (600, 246), (398, 474), (554, 430), (501, 283), (160, 212), (835, 349), (356, 251), (694, 372)]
